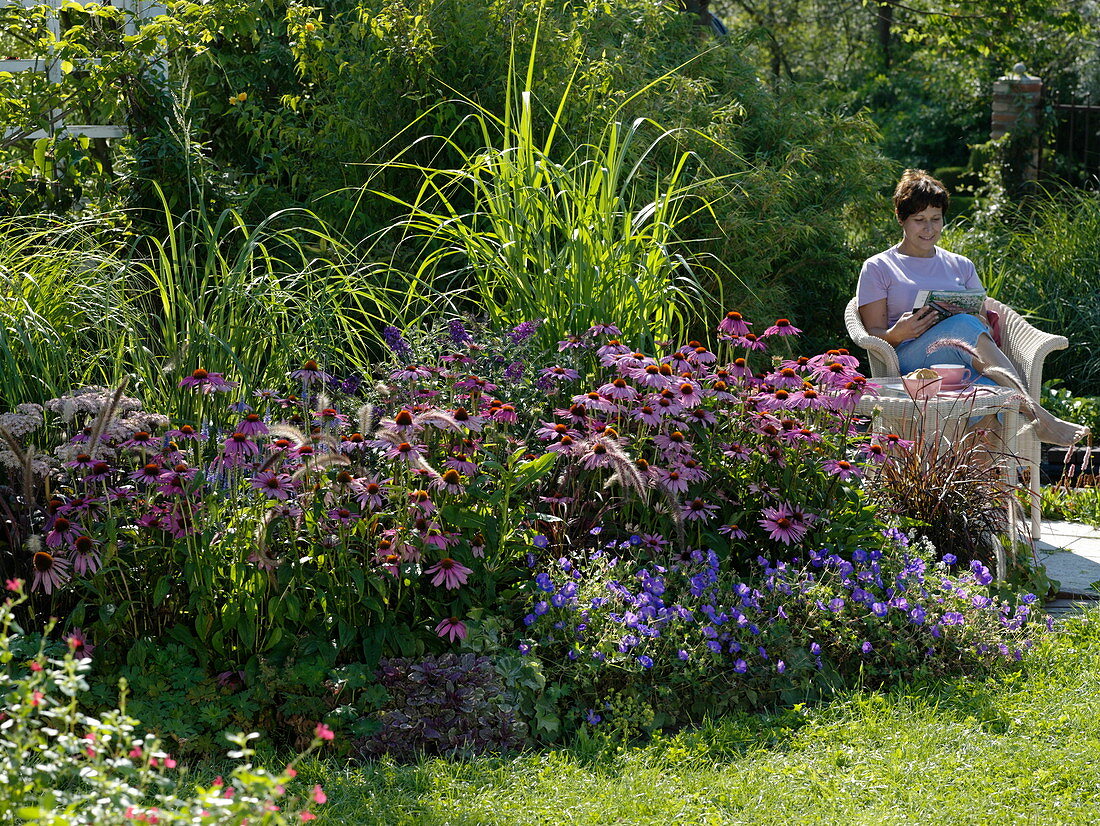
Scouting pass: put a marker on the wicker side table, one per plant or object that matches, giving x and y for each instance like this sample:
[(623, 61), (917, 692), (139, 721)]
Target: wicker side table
[(946, 416)]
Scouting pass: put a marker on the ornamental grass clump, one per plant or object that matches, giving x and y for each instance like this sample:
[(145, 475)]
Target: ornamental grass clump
[(646, 646)]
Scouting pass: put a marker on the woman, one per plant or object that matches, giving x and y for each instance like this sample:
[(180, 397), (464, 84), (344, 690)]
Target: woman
[(888, 286)]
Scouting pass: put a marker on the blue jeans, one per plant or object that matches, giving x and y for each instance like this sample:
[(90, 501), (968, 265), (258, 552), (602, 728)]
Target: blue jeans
[(913, 354)]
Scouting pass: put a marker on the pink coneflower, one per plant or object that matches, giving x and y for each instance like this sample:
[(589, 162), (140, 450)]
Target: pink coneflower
[(618, 390), (734, 324), (154, 518), (671, 480), (273, 485), (807, 399), (176, 480), (594, 401), (736, 451), (343, 516), (571, 342), (451, 627), (421, 500), (252, 425), (733, 531), (720, 390), (78, 643), (83, 460), (506, 413), (475, 384), (892, 441), (674, 443), (85, 556), (698, 509), (411, 372), (840, 356), (370, 493), (841, 468), (739, 368), (310, 372), (785, 377), (691, 471), (749, 342), (238, 445), (566, 446), (62, 532), (559, 373), (700, 416), (874, 452), (462, 463), (450, 481), (181, 520), (90, 505), (407, 451), (687, 394), (782, 327), (577, 413), (596, 454), (701, 356), (801, 364), (148, 474), (353, 443), (833, 374), (603, 330), (49, 572), (142, 440), (185, 432), (207, 382), (468, 420), (782, 526), (647, 414), (649, 376), (449, 572), (555, 430)]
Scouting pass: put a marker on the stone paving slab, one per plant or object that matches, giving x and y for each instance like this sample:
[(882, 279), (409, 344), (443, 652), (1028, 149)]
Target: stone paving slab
[(1071, 554)]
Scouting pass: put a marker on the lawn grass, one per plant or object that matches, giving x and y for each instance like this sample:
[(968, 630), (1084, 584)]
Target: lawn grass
[(1021, 749)]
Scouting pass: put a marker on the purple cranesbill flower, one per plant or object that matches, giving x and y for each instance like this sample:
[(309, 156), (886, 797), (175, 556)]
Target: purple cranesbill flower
[(207, 382), (733, 323), (644, 661), (815, 649), (780, 666), (782, 327), (683, 655), (523, 331), (740, 666), (590, 716), (981, 573), (949, 559), (396, 342), (451, 627)]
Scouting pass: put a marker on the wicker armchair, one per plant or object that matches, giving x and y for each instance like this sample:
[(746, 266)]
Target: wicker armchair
[(1025, 346)]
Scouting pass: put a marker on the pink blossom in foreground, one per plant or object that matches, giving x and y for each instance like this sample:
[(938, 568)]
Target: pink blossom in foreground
[(451, 627), (782, 327), (734, 324), (449, 572)]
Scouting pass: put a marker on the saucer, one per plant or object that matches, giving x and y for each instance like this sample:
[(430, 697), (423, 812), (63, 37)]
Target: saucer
[(954, 388)]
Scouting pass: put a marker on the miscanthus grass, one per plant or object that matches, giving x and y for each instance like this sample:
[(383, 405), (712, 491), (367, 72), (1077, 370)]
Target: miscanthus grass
[(1019, 749)]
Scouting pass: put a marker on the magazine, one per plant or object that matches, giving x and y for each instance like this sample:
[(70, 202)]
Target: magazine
[(971, 301)]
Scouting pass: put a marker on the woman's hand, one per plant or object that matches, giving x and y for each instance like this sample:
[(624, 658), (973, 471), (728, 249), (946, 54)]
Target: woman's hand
[(912, 325)]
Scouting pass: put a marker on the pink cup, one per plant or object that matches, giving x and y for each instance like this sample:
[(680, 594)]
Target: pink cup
[(954, 375)]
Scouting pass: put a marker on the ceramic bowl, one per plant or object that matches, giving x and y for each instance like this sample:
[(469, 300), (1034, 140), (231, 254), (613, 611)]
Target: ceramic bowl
[(922, 389)]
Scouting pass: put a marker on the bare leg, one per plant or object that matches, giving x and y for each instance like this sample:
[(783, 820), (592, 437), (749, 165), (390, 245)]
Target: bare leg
[(1048, 428)]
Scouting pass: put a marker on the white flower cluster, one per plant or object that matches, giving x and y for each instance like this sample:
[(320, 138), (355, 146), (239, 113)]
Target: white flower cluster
[(25, 419), (89, 401)]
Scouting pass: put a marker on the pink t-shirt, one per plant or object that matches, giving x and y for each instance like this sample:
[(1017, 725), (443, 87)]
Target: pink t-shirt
[(898, 277)]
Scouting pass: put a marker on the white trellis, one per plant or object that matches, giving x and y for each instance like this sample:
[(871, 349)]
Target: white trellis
[(50, 65)]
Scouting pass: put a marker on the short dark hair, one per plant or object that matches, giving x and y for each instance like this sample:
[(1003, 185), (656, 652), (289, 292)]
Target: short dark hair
[(916, 191)]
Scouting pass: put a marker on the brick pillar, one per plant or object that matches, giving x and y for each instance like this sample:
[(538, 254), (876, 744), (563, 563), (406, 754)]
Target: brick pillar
[(1016, 105)]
